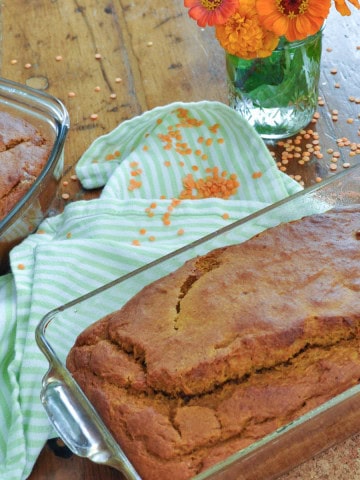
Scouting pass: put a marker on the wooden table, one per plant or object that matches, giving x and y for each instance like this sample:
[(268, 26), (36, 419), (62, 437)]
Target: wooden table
[(112, 60)]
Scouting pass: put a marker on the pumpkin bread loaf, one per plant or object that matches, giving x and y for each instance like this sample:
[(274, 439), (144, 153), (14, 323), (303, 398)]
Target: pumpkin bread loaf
[(229, 347), (23, 155)]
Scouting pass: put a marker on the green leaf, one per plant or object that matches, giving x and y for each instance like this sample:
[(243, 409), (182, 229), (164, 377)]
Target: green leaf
[(282, 79)]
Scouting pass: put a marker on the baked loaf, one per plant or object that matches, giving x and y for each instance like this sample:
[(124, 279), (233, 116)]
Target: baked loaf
[(23, 154), (229, 347)]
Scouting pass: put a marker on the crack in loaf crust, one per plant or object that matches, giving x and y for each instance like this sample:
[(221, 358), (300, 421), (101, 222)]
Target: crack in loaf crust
[(229, 347), (23, 155)]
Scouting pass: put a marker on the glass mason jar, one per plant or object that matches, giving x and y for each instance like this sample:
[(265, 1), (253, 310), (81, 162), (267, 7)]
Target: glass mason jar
[(278, 94)]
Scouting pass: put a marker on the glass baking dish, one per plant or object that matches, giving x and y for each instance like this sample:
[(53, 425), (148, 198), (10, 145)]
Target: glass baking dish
[(76, 421), (51, 118)]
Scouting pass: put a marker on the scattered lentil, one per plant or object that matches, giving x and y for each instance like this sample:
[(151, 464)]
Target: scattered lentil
[(213, 185), (134, 184)]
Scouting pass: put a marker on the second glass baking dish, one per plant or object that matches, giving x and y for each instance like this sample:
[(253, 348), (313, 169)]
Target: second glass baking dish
[(50, 117)]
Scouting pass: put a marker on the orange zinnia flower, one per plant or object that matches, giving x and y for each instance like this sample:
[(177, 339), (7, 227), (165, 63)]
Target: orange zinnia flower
[(295, 19), (210, 12), (342, 7), (243, 35)]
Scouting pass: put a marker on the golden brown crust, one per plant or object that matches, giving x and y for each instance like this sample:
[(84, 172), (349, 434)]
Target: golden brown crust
[(229, 347), (23, 155)]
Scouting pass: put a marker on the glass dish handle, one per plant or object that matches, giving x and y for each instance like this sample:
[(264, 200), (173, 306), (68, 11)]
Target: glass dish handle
[(78, 424)]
